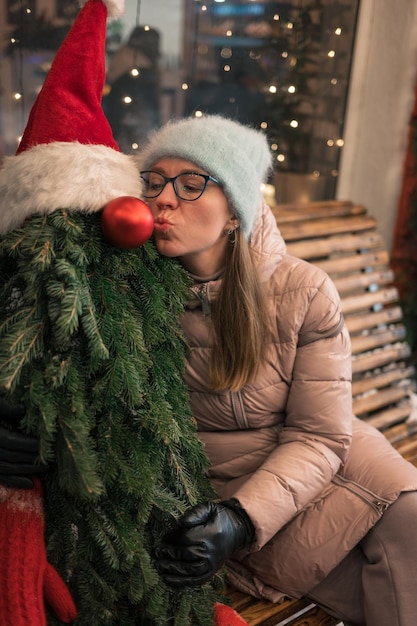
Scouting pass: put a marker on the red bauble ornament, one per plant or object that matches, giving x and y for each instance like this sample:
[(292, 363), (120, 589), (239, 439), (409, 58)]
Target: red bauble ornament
[(127, 222)]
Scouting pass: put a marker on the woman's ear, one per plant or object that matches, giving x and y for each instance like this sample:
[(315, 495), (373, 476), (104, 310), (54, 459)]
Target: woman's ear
[(231, 225)]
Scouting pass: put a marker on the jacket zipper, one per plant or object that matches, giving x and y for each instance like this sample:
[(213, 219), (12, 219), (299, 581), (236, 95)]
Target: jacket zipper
[(236, 400), (238, 409), (378, 503), (201, 292)]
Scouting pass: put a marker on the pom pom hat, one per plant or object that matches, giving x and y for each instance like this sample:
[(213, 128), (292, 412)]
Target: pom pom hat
[(67, 157), (238, 156)]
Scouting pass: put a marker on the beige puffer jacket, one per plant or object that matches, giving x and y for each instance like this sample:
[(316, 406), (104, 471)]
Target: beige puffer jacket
[(312, 477)]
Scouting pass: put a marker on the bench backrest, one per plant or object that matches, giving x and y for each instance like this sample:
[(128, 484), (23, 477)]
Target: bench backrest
[(342, 239)]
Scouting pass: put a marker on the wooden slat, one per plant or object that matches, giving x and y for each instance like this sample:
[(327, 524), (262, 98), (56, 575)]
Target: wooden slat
[(397, 434), (379, 358), (380, 399), (381, 379), (363, 343), (315, 248), (386, 419), (317, 228), (290, 612), (257, 612), (320, 210), (314, 617), (365, 301), (352, 263), (363, 280), (355, 323)]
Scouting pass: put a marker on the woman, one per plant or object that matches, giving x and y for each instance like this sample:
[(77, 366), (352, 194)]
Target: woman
[(313, 501)]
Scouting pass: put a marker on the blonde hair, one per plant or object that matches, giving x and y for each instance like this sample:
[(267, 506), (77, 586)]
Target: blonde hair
[(240, 327)]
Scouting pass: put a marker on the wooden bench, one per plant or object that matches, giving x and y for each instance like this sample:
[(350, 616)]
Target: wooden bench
[(343, 239)]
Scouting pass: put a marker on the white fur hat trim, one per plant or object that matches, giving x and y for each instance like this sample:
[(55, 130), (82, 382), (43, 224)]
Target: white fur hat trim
[(64, 175)]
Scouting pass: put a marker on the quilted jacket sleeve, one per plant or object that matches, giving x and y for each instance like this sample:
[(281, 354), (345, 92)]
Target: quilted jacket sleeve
[(318, 424)]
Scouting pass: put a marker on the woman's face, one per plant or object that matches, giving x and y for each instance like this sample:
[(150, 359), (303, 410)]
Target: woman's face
[(191, 231)]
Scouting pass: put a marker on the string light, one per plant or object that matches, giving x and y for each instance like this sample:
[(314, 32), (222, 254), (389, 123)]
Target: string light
[(135, 72), (280, 26)]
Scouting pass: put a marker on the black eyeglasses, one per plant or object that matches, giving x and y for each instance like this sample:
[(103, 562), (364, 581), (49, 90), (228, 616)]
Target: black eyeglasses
[(187, 186)]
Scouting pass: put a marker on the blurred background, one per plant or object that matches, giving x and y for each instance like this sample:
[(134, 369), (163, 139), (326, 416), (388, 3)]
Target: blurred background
[(331, 82)]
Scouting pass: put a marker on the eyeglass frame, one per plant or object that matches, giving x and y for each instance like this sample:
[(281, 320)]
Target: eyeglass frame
[(172, 179)]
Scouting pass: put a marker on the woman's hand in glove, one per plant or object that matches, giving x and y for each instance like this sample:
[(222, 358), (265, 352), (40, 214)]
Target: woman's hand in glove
[(18, 452), (206, 536)]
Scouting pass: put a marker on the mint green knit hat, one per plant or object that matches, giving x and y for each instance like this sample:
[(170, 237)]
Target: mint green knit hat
[(237, 155)]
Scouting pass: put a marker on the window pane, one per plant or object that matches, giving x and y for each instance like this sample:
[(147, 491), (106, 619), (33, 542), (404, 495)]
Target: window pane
[(280, 66)]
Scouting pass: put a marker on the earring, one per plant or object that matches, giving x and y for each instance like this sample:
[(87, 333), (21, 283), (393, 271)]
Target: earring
[(232, 229), (231, 233)]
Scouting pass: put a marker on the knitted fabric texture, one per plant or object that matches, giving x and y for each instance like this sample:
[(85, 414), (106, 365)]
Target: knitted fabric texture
[(27, 580), (236, 155)]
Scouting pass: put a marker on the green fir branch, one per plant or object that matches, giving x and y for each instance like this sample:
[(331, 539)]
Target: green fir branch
[(91, 345)]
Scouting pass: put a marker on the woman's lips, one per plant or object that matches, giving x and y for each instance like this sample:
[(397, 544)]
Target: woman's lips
[(162, 225)]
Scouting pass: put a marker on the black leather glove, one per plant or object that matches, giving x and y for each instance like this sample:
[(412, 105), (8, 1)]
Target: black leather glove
[(18, 452), (206, 536)]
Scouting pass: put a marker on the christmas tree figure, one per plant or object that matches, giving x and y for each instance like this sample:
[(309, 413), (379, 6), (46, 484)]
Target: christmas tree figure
[(91, 347)]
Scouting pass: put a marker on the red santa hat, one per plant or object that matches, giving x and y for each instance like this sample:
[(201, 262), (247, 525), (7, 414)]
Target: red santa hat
[(67, 157)]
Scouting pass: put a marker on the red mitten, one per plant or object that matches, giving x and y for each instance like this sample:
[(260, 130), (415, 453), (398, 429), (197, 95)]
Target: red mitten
[(226, 616), (27, 580)]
